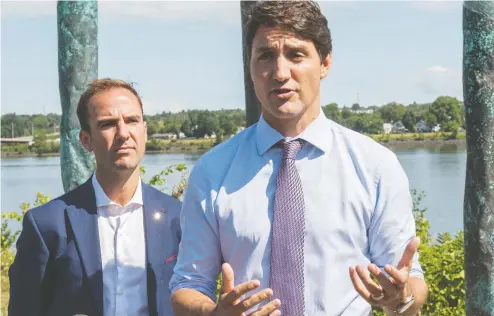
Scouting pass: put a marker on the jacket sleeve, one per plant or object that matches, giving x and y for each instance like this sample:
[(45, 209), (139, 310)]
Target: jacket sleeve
[(27, 272)]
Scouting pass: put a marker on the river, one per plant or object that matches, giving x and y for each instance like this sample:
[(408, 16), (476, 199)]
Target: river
[(438, 171)]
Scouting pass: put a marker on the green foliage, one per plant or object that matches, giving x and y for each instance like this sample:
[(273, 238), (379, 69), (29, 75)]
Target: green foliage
[(392, 112), (9, 237), (448, 112), (42, 145), (15, 149), (409, 121), (442, 260), (332, 112)]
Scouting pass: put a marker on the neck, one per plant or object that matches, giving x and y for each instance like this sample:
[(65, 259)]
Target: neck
[(118, 186), (294, 126)]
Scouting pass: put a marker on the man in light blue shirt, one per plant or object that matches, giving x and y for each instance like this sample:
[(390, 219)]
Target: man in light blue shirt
[(296, 229)]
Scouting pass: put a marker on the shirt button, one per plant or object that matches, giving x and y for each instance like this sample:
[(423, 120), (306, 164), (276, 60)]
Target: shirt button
[(120, 292)]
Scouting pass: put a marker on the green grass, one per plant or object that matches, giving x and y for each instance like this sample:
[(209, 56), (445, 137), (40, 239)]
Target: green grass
[(416, 136)]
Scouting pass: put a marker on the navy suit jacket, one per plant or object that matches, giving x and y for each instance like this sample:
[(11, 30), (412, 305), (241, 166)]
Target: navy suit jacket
[(57, 270)]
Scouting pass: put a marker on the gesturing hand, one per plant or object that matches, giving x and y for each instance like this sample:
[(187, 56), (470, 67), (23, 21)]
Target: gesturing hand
[(229, 302), (388, 292)]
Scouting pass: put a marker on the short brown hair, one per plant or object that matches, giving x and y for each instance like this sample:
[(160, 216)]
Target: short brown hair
[(96, 86), (302, 18)]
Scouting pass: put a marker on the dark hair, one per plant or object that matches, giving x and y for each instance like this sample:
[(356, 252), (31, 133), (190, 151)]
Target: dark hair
[(302, 18), (95, 87)]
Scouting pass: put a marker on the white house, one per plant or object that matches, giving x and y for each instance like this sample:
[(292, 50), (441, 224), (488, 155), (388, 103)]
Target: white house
[(387, 128)]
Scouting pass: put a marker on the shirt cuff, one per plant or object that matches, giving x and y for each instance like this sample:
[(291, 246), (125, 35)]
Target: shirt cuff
[(203, 287)]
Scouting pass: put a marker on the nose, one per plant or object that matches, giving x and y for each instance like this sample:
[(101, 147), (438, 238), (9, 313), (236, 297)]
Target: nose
[(122, 130), (281, 72)]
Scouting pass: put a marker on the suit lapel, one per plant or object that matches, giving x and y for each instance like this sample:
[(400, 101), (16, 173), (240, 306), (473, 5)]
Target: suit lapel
[(84, 223), (154, 222)]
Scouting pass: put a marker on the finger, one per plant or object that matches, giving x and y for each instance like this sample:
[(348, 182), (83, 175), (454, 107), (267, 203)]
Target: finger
[(410, 250), (370, 285), (400, 277), (228, 278), (238, 291), (388, 287), (255, 299), (358, 286), (269, 309)]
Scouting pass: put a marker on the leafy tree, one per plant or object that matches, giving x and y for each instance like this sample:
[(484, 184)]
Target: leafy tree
[(227, 125), (346, 113), (332, 112), (409, 121), (186, 127), (40, 143), (447, 111), (392, 112)]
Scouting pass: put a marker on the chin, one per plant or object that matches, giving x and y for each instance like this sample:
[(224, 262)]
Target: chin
[(288, 110), (125, 165)]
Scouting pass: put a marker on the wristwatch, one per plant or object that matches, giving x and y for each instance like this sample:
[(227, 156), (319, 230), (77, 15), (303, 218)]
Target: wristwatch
[(403, 306)]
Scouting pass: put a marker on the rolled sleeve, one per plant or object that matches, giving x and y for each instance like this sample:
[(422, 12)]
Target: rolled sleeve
[(393, 223), (199, 258)]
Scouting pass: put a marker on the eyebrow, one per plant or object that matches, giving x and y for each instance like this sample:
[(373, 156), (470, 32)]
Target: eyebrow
[(263, 49), (114, 119)]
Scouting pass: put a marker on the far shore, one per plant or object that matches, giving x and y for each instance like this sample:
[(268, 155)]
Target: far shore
[(200, 146)]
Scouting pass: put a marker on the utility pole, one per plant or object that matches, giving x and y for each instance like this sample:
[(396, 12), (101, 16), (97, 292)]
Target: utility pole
[(12, 129)]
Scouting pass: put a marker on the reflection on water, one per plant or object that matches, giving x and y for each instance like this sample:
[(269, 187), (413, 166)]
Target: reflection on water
[(438, 170)]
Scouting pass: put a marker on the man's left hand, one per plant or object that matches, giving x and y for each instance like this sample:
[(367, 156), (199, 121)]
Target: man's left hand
[(388, 292)]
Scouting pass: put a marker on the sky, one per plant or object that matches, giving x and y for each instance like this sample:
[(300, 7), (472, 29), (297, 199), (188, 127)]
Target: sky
[(187, 55)]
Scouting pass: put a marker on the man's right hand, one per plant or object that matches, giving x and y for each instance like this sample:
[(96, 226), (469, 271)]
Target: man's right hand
[(229, 303)]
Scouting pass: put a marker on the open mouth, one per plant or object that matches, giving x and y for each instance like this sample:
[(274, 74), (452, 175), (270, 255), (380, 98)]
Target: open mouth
[(283, 93)]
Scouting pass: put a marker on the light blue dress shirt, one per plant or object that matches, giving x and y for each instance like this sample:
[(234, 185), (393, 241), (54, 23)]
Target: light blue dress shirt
[(358, 204)]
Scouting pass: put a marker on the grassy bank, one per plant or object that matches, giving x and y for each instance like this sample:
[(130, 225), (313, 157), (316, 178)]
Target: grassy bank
[(198, 146), (418, 137)]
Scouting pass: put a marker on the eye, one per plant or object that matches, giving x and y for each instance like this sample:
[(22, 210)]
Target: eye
[(265, 56), (297, 55), (107, 124)]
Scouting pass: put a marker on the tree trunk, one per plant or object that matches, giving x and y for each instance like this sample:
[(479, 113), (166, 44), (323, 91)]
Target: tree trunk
[(252, 105)]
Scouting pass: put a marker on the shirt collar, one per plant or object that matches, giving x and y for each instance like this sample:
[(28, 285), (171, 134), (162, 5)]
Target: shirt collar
[(103, 200), (318, 134)]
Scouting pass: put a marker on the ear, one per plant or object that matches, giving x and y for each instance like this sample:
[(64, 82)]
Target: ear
[(85, 139), (325, 66)]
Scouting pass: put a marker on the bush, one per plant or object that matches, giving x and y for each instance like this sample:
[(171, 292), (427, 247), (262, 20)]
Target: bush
[(8, 240)]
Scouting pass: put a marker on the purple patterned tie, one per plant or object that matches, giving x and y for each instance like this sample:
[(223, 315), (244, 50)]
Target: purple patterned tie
[(287, 245)]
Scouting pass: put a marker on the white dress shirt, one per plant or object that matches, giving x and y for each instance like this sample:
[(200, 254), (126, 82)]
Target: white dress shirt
[(358, 211), (123, 254)]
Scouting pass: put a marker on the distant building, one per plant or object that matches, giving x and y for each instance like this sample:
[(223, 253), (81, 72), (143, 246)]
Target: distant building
[(387, 128), (398, 127), (362, 110), (164, 136), (422, 127)]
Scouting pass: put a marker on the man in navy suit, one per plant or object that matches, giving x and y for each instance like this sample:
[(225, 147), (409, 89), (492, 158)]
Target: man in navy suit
[(108, 247)]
